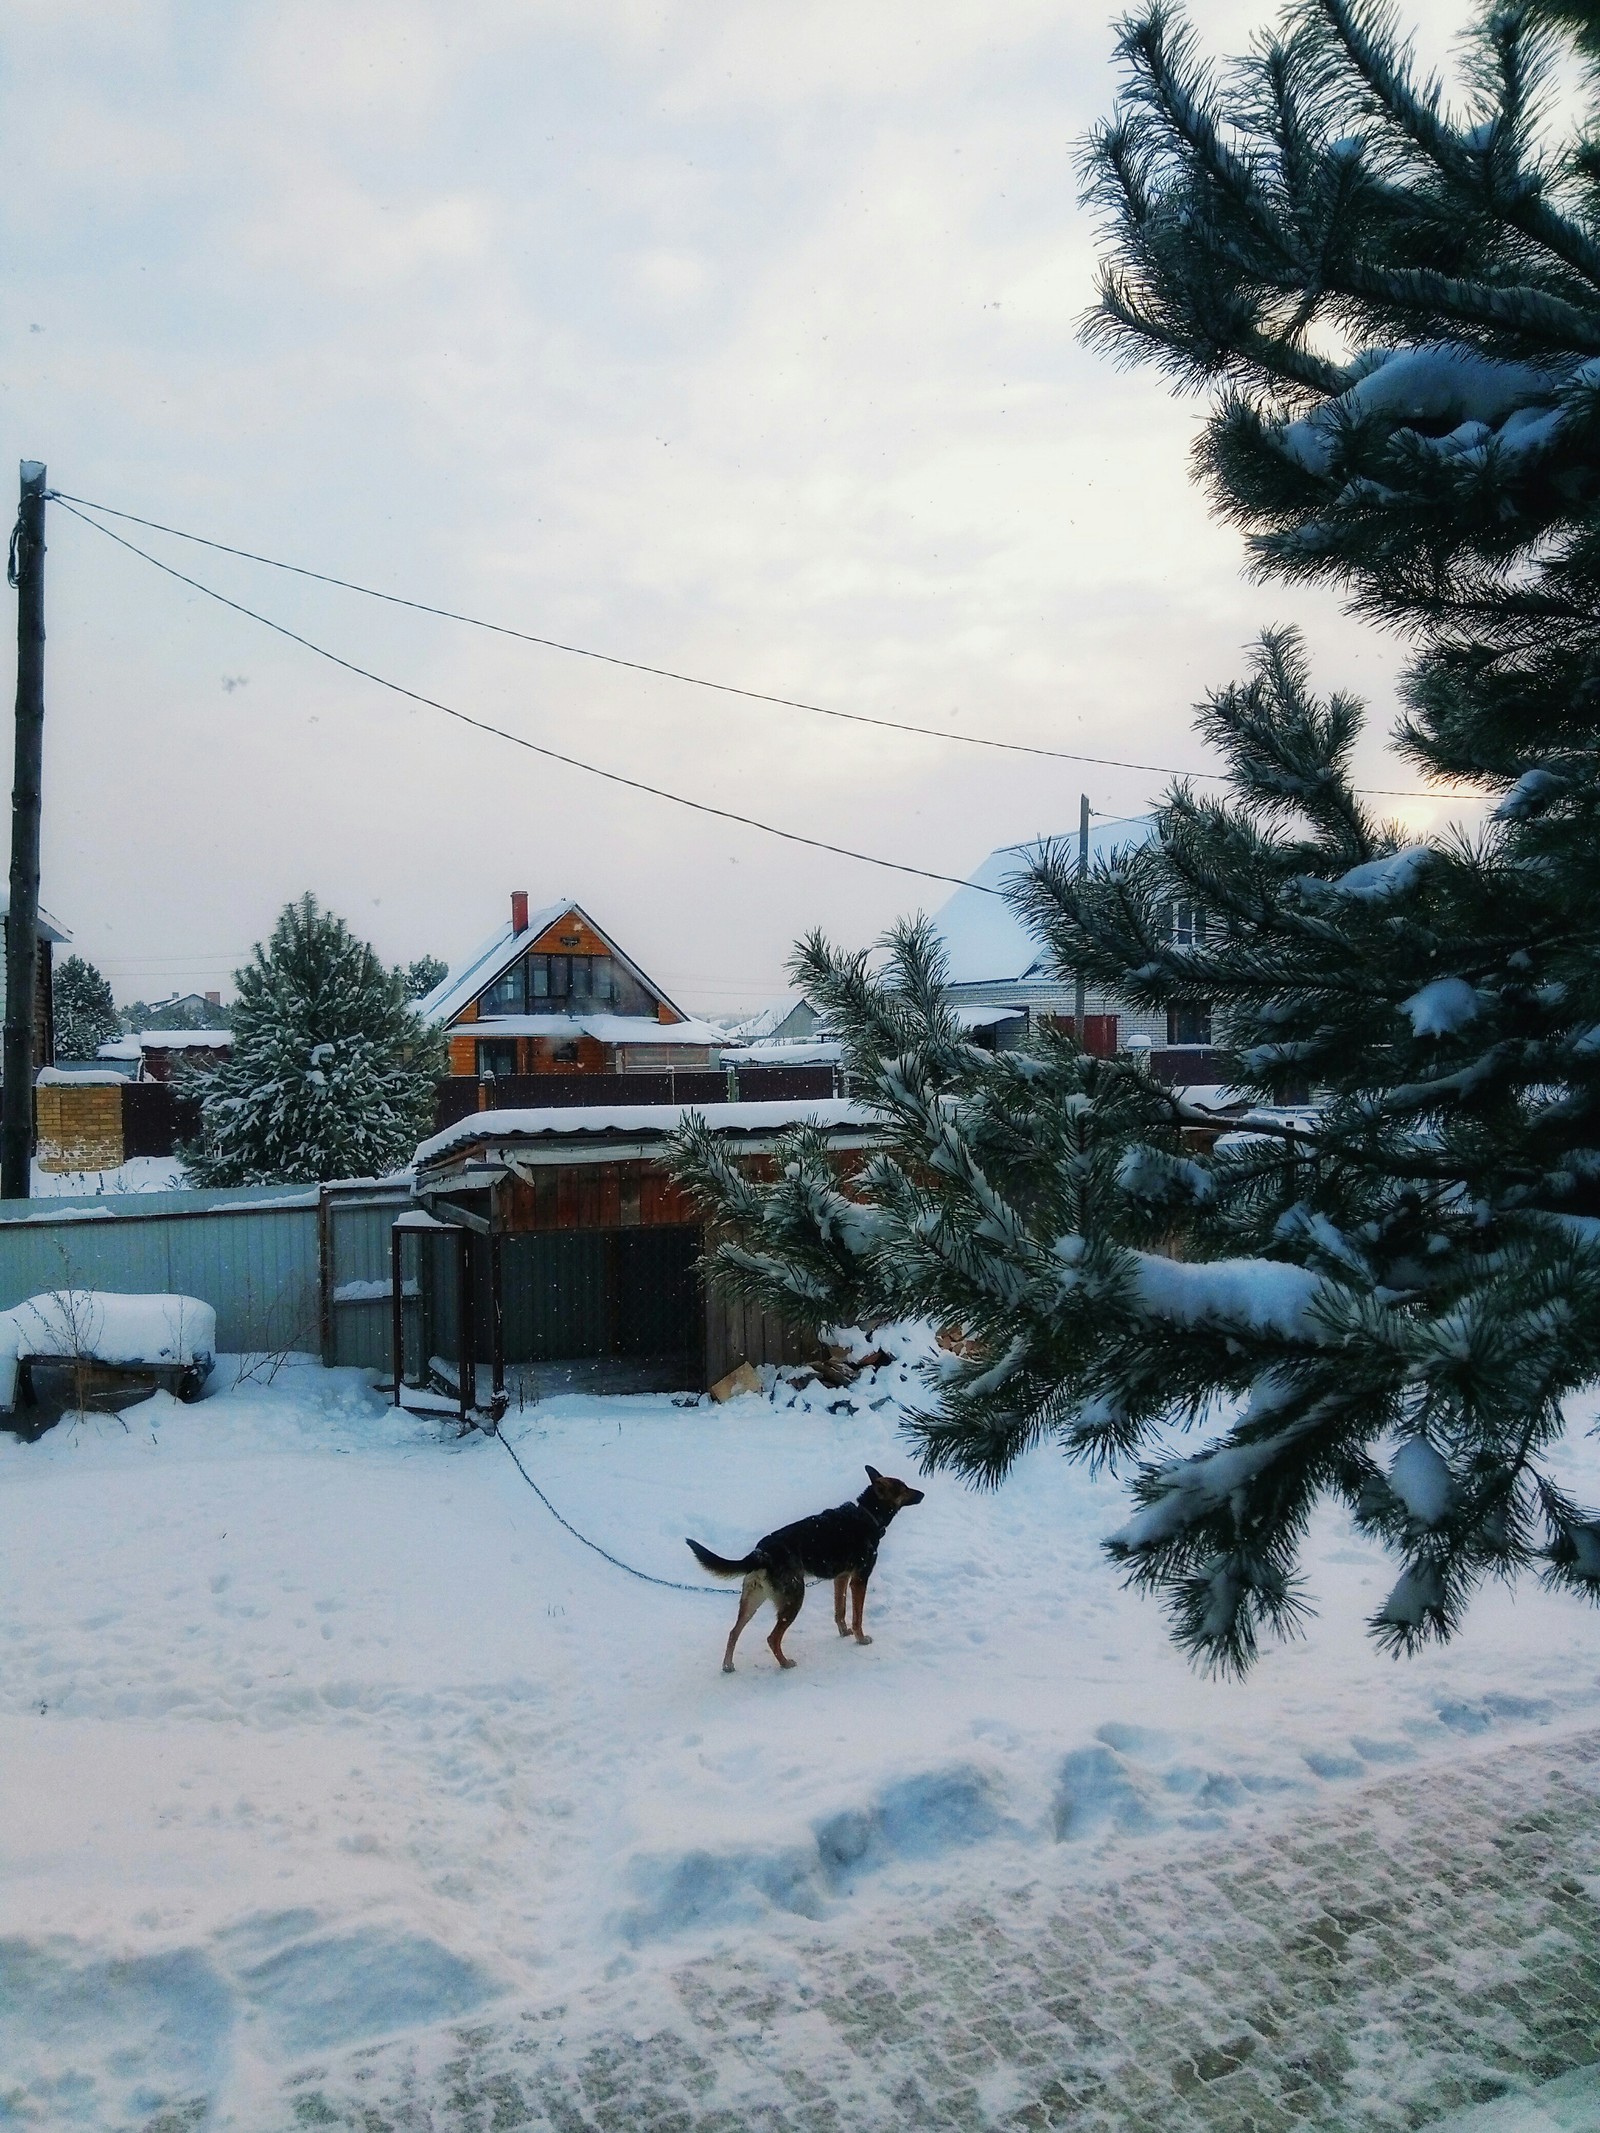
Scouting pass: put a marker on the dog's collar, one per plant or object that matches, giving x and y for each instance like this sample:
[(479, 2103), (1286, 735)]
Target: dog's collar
[(876, 1509)]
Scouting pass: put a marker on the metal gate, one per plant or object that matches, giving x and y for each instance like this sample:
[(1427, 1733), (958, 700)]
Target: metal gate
[(624, 1304)]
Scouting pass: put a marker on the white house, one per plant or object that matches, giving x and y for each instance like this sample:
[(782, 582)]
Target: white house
[(996, 964)]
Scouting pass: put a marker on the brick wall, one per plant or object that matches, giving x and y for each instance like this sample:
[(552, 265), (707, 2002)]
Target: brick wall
[(79, 1128)]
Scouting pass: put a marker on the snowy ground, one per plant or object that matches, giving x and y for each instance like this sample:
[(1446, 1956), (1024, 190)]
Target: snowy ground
[(318, 1733)]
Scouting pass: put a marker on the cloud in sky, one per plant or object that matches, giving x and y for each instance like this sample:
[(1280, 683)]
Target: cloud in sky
[(733, 338)]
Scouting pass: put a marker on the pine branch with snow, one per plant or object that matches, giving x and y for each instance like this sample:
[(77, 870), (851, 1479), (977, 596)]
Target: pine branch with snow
[(1386, 1298)]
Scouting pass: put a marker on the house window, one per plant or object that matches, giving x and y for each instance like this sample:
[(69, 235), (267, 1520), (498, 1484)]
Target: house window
[(498, 1057), (1189, 1025), (559, 984), (505, 995), (1188, 925), (564, 1054)]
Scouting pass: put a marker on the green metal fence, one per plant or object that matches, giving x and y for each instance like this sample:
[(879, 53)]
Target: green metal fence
[(283, 1267)]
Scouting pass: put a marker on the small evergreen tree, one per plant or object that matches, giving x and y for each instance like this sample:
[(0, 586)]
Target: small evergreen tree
[(85, 1013), (1388, 1303), (422, 976), (332, 1074)]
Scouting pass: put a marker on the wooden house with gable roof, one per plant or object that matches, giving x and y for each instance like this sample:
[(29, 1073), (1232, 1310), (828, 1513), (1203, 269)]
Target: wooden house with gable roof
[(550, 994)]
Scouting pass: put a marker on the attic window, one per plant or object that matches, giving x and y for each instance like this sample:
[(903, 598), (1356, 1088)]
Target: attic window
[(504, 996)]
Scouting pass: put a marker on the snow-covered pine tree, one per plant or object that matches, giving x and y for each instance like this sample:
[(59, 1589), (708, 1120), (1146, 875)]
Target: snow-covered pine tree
[(1397, 307), (85, 1013), (423, 975), (332, 1074)]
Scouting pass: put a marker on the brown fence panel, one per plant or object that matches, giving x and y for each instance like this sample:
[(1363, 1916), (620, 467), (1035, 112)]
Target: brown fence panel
[(155, 1118), (697, 1085), (456, 1097), (537, 1092), (781, 1084)]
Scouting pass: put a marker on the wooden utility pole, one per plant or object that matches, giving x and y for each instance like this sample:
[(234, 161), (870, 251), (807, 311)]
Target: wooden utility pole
[(1078, 999), (26, 572)]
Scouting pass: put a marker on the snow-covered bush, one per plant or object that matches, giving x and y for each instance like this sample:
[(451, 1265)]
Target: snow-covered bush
[(332, 1074), (1396, 306)]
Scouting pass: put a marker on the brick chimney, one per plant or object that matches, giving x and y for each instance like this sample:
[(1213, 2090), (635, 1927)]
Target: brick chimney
[(519, 910), (213, 999)]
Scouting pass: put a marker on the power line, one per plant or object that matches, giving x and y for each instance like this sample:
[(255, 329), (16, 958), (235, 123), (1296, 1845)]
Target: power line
[(613, 659), (693, 681), (555, 755)]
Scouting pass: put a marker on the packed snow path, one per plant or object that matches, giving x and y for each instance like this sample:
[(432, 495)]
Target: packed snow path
[(342, 1787), (1426, 1948)]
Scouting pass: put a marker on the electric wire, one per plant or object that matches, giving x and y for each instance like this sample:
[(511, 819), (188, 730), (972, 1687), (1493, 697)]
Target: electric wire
[(614, 659), (693, 681), (518, 740)]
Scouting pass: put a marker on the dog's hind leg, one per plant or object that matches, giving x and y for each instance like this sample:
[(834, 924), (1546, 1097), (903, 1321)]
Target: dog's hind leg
[(858, 1595), (789, 1598), (755, 1591), (840, 1586)]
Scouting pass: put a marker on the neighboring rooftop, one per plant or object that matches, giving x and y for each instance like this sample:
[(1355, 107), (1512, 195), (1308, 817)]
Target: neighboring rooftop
[(50, 929), (816, 1051), (791, 1017), (983, 938), (165, 1040)]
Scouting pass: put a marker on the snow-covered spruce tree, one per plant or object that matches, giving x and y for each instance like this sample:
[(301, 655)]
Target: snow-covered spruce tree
[(1397, 308), (85, 1013), (332, 1074)]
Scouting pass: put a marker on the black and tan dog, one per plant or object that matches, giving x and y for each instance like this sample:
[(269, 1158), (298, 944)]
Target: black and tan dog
[(841, 1544)]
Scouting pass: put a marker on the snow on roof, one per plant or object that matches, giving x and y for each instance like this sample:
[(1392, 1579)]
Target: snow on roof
[(484, 965), (983, 938), (984, 1017), (801, 1051), (50, 929), (641, 1121), (606, 1029), (501, 950), (165, 1040), (752, 1028)]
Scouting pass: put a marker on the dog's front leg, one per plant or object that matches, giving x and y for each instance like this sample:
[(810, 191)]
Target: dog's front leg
[(858, 1596), (840, 1586)]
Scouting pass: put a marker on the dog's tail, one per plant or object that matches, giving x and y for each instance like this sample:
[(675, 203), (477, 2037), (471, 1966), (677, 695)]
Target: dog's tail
[(719, 1565)]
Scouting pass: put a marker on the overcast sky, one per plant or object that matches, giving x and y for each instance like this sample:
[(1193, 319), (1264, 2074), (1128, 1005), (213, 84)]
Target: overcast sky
[(737, 338)]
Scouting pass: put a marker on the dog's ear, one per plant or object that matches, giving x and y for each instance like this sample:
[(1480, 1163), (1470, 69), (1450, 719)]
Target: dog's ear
[(874, 1477)]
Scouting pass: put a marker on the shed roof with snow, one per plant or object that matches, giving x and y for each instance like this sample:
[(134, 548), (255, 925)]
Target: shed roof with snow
[(598, 1123)]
